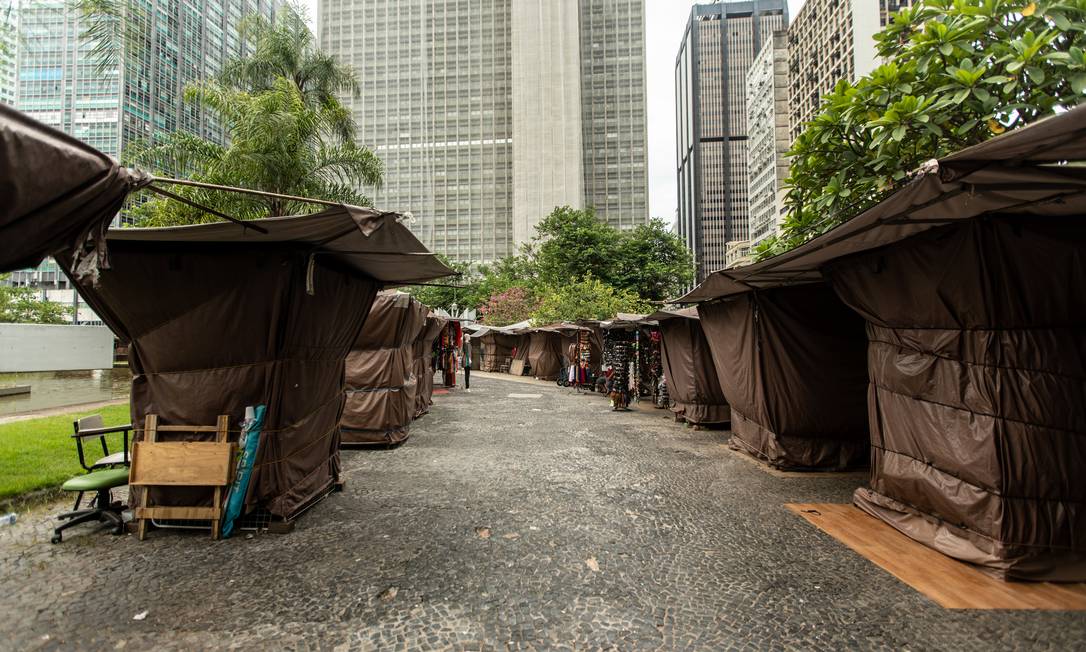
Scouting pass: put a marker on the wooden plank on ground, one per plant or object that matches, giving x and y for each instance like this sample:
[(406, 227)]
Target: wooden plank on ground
[(950, 583)]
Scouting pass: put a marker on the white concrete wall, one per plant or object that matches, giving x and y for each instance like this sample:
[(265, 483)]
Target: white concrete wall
[(548, 168), (36, 347)]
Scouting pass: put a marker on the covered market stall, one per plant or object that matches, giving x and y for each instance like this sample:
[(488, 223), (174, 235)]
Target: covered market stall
[(219, 316), (494, 348), (971, 279), (381, 372), (691, 378), (632, 349), (792, 362)]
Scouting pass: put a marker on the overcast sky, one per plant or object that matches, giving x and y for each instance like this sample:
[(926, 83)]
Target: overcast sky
[(665, 21)]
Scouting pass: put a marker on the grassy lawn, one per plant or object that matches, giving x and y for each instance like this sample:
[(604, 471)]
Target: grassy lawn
[(40, 453)]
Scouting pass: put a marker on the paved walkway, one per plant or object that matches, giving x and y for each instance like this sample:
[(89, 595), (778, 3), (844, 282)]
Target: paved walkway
[(542, 521)]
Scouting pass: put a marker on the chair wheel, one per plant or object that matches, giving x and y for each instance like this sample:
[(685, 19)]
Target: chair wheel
[(56, 539), (118, 530)]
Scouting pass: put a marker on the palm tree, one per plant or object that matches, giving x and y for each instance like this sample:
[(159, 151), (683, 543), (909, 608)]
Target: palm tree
[(286, 48), (278, 143)]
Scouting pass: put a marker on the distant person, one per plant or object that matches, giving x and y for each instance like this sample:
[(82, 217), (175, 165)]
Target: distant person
[(466, 359)]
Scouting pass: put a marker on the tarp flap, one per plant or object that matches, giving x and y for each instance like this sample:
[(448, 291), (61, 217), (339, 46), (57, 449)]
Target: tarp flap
[(544, 353), (977, 363), (791, 362), (380, 372), (692, 380), (55, 191), (424, 369), (211, 332)]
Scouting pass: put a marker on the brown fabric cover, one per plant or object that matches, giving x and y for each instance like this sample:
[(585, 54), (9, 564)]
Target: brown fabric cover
[(977, 360), (792, 363), (380, 372), (212, 330), (688, 368), (495, 348), (544, 353), (55, 191), (424, 368)]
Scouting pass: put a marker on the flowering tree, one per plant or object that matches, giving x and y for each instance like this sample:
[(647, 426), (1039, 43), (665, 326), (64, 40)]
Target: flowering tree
[(508, 307)]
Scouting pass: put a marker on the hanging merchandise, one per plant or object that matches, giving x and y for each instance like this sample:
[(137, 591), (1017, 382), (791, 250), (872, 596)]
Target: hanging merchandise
[(617, 362)]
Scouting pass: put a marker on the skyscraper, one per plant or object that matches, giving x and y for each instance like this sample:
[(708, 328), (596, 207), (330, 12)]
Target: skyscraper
[(717, 51), (9, 43), (831, 40), (487, 114), (769, 141), (61, 85)]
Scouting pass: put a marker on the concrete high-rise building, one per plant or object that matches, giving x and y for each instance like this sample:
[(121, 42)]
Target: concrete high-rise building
[(488, 114), (9, 50), (717, 51), (831, 40), (61, 85), (768, 137), (613, 104)]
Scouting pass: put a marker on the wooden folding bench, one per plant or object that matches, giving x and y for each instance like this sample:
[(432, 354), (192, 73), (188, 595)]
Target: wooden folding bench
[(182, 464)]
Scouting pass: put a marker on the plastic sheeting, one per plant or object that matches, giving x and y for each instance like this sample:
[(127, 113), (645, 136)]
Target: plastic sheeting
[(496, 348), (792, 363), (977, 360), (380, 372), (691, 376)]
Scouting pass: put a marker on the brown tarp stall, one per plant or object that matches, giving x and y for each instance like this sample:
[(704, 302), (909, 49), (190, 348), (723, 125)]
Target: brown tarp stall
[(55, 191), (221, 316), (792, 362), (688, 368), (424, 363), (971, 279), (544, 353), (381, 372), (493, 347)]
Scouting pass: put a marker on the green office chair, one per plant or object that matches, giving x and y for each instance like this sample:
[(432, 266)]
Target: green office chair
[(106, 473)]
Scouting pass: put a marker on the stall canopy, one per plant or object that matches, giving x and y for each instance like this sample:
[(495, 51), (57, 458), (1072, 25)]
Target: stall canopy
[(424, 363), (971, 280), (688, 368), (221, 316), (381, 372), (792, 363), (56, 191)]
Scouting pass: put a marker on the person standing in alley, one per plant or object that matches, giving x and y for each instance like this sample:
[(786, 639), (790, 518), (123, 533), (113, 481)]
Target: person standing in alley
[(465, 357)]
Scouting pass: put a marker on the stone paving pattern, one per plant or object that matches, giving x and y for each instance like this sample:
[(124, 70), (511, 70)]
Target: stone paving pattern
[(505, 523)]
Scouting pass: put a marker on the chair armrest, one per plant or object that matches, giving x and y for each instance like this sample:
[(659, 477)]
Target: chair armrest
[(98, 432)]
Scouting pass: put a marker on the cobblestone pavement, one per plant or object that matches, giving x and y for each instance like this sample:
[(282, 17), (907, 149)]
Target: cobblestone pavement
[(538, 521)]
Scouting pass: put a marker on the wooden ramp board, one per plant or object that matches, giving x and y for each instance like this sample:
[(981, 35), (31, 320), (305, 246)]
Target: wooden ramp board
[(950, 583)]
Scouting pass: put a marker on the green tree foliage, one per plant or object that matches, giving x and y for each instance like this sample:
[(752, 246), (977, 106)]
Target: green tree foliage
[(958, 72), (571, 246), (22, 305), (288, 134), (588, 298)]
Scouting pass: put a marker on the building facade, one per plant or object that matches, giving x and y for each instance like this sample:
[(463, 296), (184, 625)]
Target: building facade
[(768, 137), (9, 51), (488, 114), (831, 40), (60, 84), (717, 51)]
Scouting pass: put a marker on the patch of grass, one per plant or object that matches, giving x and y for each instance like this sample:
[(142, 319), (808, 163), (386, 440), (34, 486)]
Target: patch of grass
[(41, 454)]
